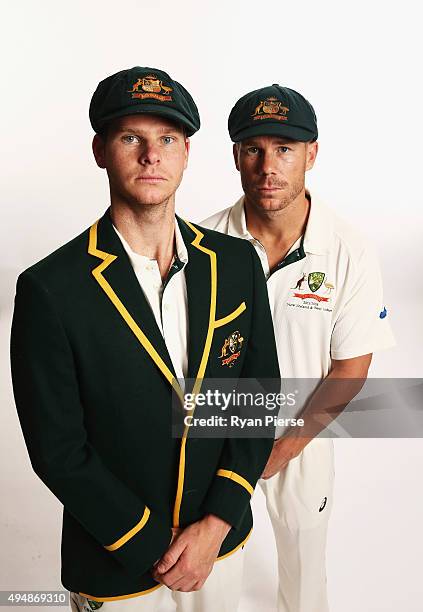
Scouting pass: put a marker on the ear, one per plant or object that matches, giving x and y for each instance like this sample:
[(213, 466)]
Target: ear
[(99, 151), (235, 150), (187, 149), (311, 154)]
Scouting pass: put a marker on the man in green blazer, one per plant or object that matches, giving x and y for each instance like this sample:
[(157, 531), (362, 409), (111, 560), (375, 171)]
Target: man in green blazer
[(104, 329)]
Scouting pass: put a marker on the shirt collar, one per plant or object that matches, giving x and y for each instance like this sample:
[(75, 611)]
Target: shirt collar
[(181, 249), (318, 232), (136, 259), (237, 225)]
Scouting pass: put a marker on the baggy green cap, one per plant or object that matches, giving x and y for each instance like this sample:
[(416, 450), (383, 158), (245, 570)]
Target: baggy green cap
[(273, 110), (143, 90)]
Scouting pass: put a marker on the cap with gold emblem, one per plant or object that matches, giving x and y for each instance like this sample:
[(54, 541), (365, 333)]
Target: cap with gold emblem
[(143, 90), (273, 110)]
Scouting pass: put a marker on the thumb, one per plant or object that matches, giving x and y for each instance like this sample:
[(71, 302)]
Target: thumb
[(171, 556)]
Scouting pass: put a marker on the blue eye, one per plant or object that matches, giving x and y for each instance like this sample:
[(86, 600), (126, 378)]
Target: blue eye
[(168, 139), (130, 138)]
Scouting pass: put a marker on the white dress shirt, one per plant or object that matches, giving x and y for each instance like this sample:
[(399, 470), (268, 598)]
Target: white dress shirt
[(168, 299)]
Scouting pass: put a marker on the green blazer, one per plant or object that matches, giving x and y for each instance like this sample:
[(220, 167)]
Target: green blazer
[(93, 380)]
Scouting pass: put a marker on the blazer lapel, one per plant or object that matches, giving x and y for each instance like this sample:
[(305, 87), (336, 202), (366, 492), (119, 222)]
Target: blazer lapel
[(117, 279), (201, 279)]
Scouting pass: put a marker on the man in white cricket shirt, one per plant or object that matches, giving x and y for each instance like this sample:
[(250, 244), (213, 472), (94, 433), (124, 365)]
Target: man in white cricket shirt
[(326, 298)]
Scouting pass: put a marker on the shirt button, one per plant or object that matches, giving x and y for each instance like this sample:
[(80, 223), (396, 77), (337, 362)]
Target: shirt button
[(166, 306)]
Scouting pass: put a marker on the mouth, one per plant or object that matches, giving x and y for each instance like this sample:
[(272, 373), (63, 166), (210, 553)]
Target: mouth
[(268, 189), (150, 179)]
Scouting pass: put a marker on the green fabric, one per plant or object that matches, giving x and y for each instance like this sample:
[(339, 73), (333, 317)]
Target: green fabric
[(142, 90), (294, 256), (95, 409), (274, 111)]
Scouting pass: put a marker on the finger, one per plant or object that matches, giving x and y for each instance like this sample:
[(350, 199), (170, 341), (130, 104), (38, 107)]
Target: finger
[(184, 585), (269, 475), (178, 572), (171, 578), (198, 585), (193, 580), (171, 556), (175, 532), (175, 573)]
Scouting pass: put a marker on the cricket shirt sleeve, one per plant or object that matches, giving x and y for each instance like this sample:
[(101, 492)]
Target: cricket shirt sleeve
[(243, 459), (362, 325), (51, 415)]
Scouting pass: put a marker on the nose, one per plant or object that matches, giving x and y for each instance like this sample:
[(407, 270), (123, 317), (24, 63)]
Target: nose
[(267, 162), (149, 154)]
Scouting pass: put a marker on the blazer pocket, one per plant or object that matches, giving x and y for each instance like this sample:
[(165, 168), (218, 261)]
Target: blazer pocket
[(230, 317)]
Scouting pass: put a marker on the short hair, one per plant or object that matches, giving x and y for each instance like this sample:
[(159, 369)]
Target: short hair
[(103, 132)]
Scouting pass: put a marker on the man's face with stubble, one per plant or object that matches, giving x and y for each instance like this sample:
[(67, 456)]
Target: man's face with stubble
[(273, 169)]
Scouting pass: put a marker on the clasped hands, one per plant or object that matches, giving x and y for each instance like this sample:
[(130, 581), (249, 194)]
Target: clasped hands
[(190, 557)]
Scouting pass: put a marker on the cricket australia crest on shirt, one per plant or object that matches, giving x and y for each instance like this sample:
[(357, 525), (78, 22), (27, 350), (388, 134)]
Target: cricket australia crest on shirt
[(315, 280), (271, 108), (311, 290), (231, 349), (152, 88)]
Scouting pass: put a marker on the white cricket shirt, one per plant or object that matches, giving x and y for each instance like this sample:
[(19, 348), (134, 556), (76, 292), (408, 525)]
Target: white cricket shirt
[(168, 300), (326, 295)]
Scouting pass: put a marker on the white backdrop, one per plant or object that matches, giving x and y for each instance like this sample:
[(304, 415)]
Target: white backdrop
[(359, 65)]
